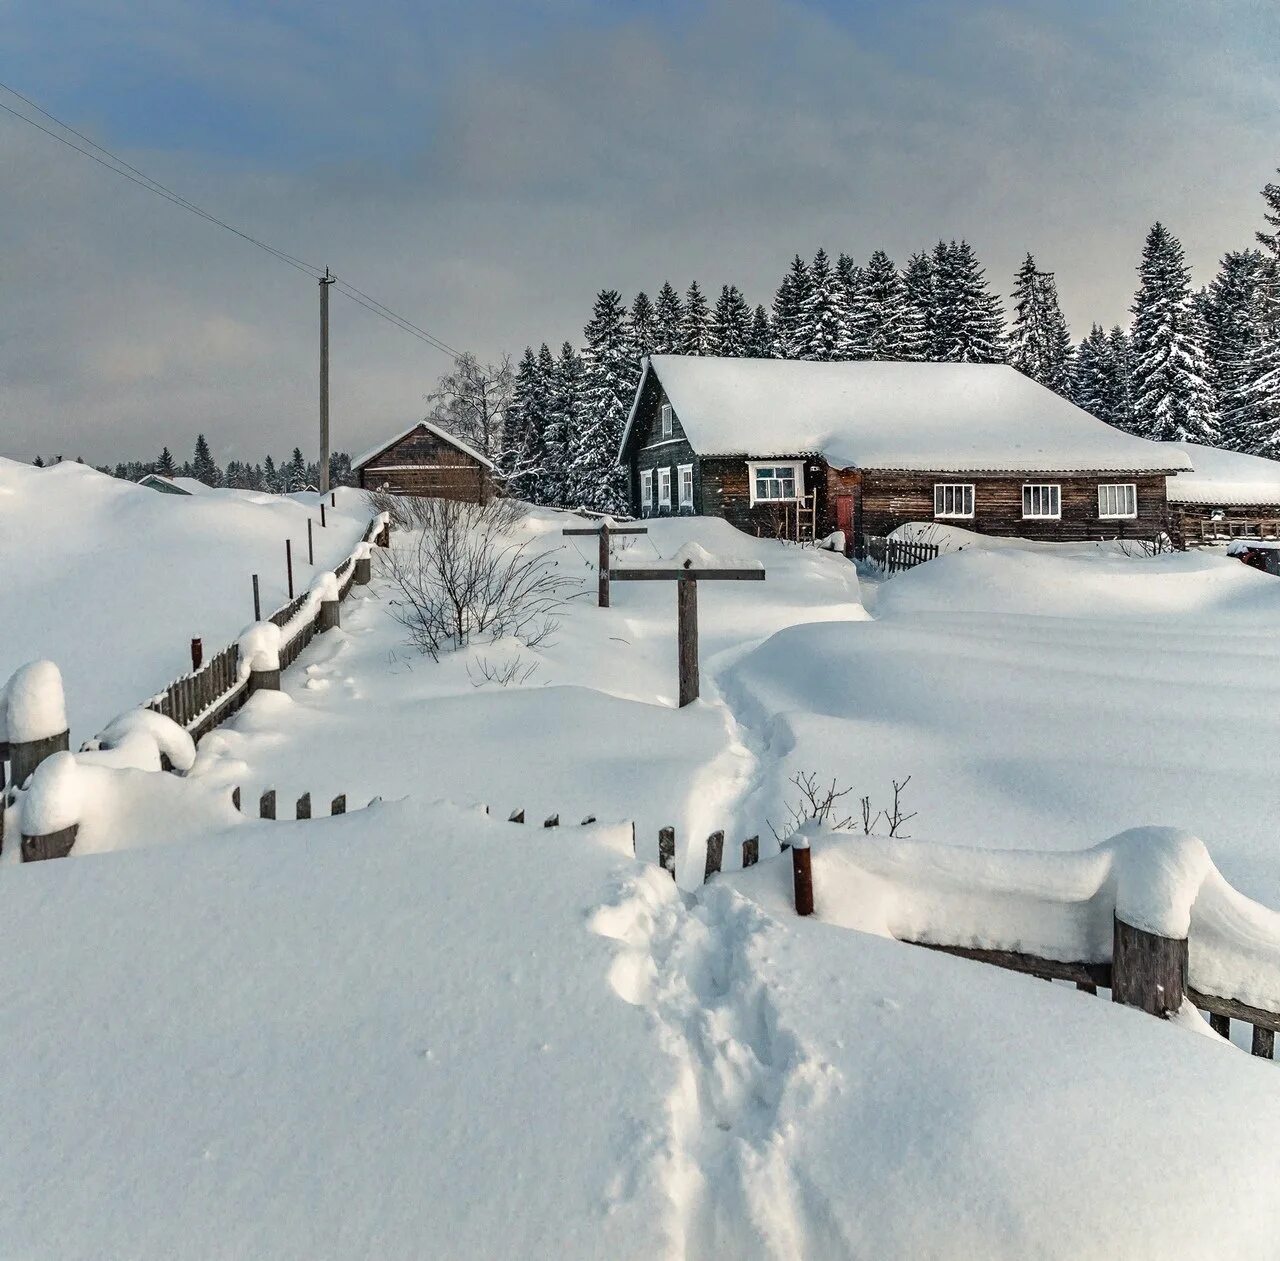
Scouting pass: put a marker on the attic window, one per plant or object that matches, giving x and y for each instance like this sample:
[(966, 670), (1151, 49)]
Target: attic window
[(775, 483), (666, 420)]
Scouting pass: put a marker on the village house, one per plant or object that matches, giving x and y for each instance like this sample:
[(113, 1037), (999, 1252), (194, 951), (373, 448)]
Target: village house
[(427, 461), (798, 449), (1229, 495)]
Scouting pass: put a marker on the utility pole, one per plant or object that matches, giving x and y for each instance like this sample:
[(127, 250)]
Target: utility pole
[(325, 282)]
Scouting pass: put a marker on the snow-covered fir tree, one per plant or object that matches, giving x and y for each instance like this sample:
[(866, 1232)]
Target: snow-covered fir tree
[(788, 311), (695, 323), (849, 276), (886, 323), (642, 326), (1172, 401), (295, 472), (969, 324), (594, 478), (165, 465), (520, 455), (731, 324), (1263, 365), (1231, 313), (761, 344), (1093, 376), (668, 313), (824, 332), (917, 284), (203, 467), (1039, 341), (564, 414)]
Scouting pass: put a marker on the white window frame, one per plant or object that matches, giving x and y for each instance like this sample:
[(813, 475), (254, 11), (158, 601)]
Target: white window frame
[(1111, 493), (797, 475), (680, 477), (665, 413), (664, 487), (1052, 491), (646, 491), (953, 492)]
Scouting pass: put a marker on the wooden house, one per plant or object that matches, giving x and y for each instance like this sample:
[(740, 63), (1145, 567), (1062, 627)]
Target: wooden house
[(1228, 495), (798, 449), (427, 461)]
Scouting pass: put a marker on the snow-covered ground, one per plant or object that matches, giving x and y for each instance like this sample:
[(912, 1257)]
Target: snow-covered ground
[(113, 580), (420, 1030)]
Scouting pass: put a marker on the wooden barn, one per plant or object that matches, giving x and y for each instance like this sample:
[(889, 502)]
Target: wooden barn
[(1228, 495), (428, 461), (798, 449)]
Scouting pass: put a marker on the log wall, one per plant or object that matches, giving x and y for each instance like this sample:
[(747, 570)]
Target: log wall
[(425, 465)]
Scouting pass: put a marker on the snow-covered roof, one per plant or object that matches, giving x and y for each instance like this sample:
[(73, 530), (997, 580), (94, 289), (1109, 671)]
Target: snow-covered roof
[(923, 416), (444, 434), (157, 481), (1225, 478)]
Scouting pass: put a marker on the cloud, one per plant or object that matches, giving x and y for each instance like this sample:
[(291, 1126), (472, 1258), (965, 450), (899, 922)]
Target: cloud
[(487, 185)]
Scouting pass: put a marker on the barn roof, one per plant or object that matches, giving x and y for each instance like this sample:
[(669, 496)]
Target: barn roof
[(1226, 479), (443, 434), (915, 416)]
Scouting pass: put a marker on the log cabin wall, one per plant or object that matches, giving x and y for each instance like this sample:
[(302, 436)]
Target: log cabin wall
[(891, 499), (726, 492), (425, 465), (651, 450)]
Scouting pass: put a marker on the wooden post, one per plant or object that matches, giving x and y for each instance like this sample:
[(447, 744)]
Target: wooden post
[(333, 499), (602, 568), (257, 603), (1148, 972), (322, 525), (667, 850), (235, 797), (304, 807), (1264, 1042), (516, 816), (311, 549), (330, 616), (197, 654), (687, 637), (750, 852), (339, 804), (715, 855), (363, 572), (551, 821), (288, 564), (263, 681), (267, 804), (1221, 1025), (591, 818), (26, 755), (51, 845), (802, 873)]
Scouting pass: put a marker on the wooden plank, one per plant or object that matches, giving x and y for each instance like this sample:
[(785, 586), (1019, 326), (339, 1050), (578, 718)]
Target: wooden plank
[(1095, 974), (715, 855), (1220, 1024), (516, 816), (717, 575), (551, 821), (339, 804), (687, 640), (1264, 1043), (613, 529), (1259, 1017), (267, 804), (303, 810)]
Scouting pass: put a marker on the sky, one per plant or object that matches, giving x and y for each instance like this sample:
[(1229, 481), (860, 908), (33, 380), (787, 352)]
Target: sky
[(484, 167)]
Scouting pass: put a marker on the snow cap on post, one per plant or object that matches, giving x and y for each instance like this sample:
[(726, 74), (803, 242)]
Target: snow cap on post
[(143, 732), (259, 647), (54, 797), (32, 706)]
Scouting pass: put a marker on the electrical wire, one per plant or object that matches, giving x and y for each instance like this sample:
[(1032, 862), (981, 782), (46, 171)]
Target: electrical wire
[(122, 168)]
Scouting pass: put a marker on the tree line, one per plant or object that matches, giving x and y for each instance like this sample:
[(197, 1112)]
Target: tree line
[(1193, 365)]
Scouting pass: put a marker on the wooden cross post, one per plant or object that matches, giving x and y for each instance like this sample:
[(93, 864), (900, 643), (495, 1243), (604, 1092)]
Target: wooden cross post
[(686, 580), (604, 530)]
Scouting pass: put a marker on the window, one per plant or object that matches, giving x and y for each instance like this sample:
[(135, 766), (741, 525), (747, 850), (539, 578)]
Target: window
[(774, 483), (953, 499), (1041, 501), (666, 420), (1120, 500), (664, 488), (646, 491), (686, 485)]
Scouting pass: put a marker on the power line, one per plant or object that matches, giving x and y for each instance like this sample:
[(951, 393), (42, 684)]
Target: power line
[(120, 167)]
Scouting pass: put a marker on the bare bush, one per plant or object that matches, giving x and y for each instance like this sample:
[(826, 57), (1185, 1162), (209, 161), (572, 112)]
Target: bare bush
[(818, 804), (1160, 545), (515, 670), (460, 573)]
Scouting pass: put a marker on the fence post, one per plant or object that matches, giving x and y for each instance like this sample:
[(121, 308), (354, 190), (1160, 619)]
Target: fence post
[(715, 855), (802, 872), (551, 821), (339, 804), (288, 564), (363, 571), (197, 654), (322, 525), (267, 804), (330, 617), (311, 550), (263, 681), (34, 706), (516, 816), (52, 845), (750, 852), (1147, 972), (257, 602), (667, 850), (602, 567), (303, 810), (687, 638)]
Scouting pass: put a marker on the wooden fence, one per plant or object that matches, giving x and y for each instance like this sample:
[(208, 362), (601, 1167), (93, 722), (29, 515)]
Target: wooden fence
[(1229, 528), (895, 555)]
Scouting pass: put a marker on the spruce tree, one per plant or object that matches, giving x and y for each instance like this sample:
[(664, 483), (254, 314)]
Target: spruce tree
[(38, 462), (761, 346), (668, 314), (969, 321), (165, 465), (917, 282), (296, 471), (1233, 333), (788, 311), (642, 327), (824, 314), (519, 457), (731, 324), (270, 476), (203, 468), (886, 323), (1172, 401), (1122, 377), (1093, 376), (849, 274), (565, 400), (1040, 344), (595, 478), (1262, 367), (695, 323)]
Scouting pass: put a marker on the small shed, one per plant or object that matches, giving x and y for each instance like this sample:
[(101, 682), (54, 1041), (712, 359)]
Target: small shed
[(165, 485), (427, 461), (1227, 495)]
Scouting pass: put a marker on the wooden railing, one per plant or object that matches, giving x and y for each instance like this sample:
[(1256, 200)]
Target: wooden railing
[(896, 555), (1236, 528)]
